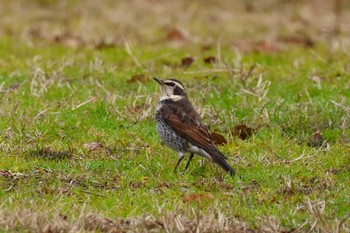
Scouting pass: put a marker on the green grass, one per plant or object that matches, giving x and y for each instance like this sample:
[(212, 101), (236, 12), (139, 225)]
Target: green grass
[(55, 99), (43, 133)]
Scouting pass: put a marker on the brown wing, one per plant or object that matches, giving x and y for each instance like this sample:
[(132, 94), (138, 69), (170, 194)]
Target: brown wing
[(184, 120)]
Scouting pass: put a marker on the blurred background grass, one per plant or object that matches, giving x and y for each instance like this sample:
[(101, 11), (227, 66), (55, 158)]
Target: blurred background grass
[(153, 21)]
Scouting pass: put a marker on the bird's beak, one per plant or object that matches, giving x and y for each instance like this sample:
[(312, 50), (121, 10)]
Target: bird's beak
[(162, 85), (158, 80)]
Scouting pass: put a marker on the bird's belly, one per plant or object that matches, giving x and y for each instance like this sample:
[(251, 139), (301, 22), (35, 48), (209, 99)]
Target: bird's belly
[(170, 137)]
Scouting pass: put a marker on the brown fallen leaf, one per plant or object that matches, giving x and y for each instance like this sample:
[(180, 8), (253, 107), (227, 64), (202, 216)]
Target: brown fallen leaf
[(93, 145), (175, 34), (197, 197), (257, 46), (210, 60), (138, 78), (187, 61), (266, 47), (316, 139), (304, 41), (218, 139), (68, 40), (242, 131)]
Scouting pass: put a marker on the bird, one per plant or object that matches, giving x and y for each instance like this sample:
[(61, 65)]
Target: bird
[(180, 127)]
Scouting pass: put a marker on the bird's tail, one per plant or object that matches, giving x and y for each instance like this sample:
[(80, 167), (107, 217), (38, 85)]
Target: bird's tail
[(220, 159)]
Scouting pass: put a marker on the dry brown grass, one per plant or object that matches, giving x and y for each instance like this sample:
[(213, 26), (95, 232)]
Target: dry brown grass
[(214, 221)]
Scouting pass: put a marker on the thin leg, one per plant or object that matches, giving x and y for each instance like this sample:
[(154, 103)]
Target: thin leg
[(189, 160), (182, 156)]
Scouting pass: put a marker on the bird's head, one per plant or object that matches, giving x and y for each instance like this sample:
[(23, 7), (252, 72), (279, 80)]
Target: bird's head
[(171, 88)]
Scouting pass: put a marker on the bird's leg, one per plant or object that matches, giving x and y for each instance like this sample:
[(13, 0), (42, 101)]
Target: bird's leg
[(182, 156), (189, 160)]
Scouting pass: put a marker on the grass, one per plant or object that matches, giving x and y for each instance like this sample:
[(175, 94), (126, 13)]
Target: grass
[(56, 101)]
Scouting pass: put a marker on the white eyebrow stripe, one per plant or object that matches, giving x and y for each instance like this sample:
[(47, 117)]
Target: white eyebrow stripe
[(176, 83)]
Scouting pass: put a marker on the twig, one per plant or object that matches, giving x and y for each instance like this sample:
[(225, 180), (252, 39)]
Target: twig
[(39, 114), (87, 101)]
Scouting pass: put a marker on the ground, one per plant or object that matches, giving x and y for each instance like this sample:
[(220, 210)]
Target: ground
[(78, 145)]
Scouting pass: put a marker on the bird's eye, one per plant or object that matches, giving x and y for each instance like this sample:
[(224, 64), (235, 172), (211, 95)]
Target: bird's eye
[(171, 84)]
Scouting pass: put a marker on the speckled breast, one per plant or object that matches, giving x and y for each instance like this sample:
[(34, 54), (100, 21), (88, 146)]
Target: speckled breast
[(169, 136)]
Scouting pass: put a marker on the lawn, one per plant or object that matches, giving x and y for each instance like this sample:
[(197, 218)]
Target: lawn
[(78, 146)]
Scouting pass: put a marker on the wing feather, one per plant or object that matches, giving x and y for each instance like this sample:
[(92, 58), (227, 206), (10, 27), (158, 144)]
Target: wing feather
[(184, 120)]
